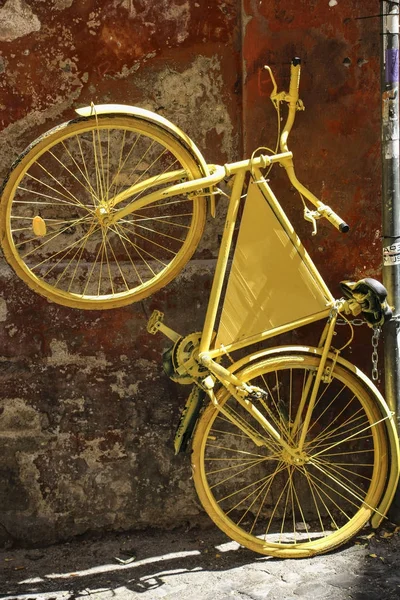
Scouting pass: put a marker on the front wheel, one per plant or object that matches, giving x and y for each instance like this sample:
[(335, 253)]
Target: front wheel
[(277, 504), (58, 196)]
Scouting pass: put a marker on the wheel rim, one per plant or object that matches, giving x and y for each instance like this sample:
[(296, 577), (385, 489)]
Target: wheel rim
[(63, 189), (267, 501)]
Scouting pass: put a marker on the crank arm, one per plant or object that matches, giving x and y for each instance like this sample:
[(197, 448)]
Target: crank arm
[(155, 324)]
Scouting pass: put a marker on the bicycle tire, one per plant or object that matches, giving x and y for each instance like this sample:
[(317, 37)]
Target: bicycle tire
[(51, 229), (258, 496)]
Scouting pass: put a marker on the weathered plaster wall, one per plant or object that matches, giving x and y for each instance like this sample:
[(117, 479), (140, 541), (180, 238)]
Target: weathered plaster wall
[(86, 415), (336, 140)]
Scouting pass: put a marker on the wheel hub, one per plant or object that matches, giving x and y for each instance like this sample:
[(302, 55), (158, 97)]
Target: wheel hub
[(296, 457), (102, 213)]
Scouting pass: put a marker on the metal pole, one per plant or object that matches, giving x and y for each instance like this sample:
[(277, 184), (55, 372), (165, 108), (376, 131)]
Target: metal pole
[(391, 205)]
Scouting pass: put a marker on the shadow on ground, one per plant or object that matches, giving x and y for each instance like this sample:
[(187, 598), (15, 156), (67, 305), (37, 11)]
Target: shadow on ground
[(200, 564)]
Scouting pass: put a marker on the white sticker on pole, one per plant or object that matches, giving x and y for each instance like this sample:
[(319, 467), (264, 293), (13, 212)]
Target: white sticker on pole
[(391, 255)]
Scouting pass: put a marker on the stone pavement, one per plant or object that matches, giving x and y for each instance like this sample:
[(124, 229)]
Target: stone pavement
[(198, 564)]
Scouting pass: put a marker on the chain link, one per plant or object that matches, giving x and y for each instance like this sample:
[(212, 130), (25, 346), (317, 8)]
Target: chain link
[(375, 341), (354, 322)]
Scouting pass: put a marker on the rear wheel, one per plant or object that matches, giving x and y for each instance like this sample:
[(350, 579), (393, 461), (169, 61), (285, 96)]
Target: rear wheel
[(277, 504), (54, 232)]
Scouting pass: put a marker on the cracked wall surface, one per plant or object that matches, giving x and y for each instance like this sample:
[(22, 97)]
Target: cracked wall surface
[(87, 416)]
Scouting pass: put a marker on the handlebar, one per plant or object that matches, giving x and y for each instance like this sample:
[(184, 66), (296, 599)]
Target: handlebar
[(292, 99), (295, 78), (294, 104), (333, 218)]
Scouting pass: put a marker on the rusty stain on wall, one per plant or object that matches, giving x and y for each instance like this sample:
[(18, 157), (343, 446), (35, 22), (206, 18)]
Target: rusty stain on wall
[(87, 416)]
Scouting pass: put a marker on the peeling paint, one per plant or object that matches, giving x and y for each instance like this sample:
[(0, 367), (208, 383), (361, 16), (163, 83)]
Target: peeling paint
[(16, 415), (60, 356), (198, 90), (3, 309), (17, 20), (62, 4)]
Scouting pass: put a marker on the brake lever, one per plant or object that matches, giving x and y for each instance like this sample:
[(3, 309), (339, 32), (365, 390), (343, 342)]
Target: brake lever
[(309, 215), (274, 84)]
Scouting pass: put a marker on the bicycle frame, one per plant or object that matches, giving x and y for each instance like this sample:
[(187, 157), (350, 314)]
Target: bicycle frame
[(259, 197), (314, 302)]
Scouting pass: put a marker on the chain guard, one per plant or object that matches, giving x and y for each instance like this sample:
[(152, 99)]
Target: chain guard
[(188, 419)]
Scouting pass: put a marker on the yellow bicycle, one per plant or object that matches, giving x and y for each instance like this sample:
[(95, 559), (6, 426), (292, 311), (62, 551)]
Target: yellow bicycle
[(294, 449)]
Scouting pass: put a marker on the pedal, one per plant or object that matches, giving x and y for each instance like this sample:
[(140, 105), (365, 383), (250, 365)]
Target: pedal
[(155, 324)]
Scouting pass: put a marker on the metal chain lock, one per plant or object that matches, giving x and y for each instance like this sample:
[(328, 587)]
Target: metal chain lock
[(354, 322), (375, 341)]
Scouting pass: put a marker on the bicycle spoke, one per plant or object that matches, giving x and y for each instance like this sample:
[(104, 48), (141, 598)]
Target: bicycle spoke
[(255, 497), (69, 195), (95, 199), (349, 437), (351, 497), (139, 249), (85, 174), (81, 183), (120, 164), (330, 431), (158, 233), (266, 492), (116, 261), (312, 497), (51, 236), (279, 405), (58, 220), (315, 492), (56, 201), (63, 252), (349, 475), (150, 241), (162, 219)]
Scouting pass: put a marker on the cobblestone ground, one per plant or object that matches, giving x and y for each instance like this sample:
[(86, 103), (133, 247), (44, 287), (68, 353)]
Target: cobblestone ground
[(199, 564)]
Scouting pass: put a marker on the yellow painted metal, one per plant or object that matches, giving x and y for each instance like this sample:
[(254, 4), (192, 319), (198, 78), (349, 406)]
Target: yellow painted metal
[(266, 335), (283, 219), (273, 287), (363, 506), (317, 381), (280, 352), (155, 324), (250, 407), (272, 281), (292, 101), (222, 263), (215, 174), (63, 294), (142, 113), (173, 190)]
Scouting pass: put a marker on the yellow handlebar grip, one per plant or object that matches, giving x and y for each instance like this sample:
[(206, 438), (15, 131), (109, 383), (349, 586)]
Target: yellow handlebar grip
[(295, 78), (333, 218)]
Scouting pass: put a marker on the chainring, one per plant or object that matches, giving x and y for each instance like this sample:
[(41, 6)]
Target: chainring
[(181, 361)]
